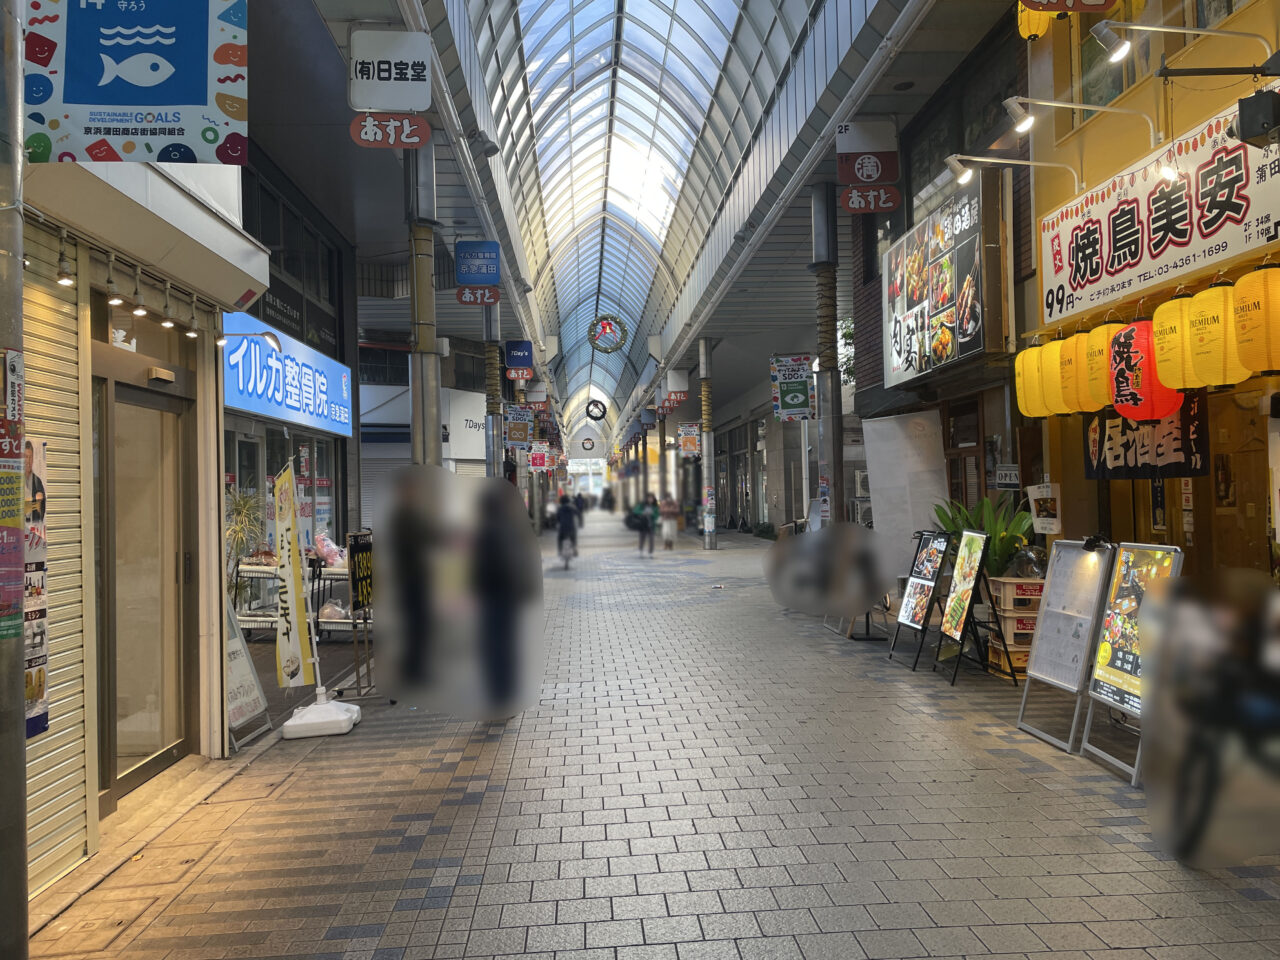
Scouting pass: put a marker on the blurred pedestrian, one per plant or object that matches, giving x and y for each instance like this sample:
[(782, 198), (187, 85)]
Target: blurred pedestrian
[(580, 504), (670, 511), (567, 520), (646, 513)]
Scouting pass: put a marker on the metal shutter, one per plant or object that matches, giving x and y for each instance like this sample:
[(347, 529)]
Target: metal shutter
[(372, 473), (469, 468), (58, 791)]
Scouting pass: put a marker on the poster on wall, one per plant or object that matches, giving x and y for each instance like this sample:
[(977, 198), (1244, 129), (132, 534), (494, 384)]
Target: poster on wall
[(1139, 230), (294, 667), (1046, 514), (933, 290), (1117, 666), (35, 598), (519, 426), (964, 578), (144, 80), (690, 439), (794, 396), (1177, 446)]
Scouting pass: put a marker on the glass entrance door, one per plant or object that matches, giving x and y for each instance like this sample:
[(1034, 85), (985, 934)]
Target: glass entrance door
[(144, 567)]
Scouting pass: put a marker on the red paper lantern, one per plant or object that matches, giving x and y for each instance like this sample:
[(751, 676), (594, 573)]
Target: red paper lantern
[(1136, 390)]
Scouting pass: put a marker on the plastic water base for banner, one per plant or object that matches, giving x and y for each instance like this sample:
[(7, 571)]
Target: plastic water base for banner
[(324, 718)]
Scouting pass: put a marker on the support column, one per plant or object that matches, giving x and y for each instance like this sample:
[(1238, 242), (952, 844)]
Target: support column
[(662, 458), (13, 745), (644, 463), (822, 199), (708, 449), (424, 360), (493, 392)]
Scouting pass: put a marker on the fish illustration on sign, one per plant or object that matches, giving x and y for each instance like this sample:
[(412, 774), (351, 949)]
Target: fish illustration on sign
[(140, 70)]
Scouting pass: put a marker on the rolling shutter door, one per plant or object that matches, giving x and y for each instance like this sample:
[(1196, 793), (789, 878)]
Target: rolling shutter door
[(372, 473), (58, 791), (469, 468)]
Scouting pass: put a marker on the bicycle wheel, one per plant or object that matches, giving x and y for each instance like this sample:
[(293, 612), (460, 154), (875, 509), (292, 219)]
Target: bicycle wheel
[(1194, 794)]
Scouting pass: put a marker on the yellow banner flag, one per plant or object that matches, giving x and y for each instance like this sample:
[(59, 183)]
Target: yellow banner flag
[(294, 667)]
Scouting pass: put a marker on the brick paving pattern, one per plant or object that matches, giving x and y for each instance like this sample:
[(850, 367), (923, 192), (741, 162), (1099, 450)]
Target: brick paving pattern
[(705, 777)]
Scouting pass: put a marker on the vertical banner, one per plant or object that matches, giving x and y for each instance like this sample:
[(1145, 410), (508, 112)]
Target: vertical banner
[(518, 421), (35, 600), (293, 633), (690, 435), (12, 526), (794, 397)]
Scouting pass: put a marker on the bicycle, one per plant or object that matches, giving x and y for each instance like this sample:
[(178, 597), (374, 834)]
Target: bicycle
[(567, 551)]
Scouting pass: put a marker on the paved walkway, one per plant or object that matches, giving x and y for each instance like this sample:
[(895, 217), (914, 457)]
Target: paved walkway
[(705, 777)]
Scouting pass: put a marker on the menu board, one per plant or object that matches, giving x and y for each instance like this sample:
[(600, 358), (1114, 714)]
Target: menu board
[(933, 306), (1068, 614), (1117, 665), (929, 558), (964, 577)]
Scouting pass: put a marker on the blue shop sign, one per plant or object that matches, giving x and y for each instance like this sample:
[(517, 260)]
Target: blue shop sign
[(520, 353), (298, 385), (477, 263)]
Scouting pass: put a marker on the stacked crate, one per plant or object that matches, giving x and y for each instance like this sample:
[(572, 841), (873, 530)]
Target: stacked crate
[(1017, 603)]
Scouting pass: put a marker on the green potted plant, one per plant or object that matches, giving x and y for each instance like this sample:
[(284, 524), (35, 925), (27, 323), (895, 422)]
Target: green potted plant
[(1006, 526), (243, 531)]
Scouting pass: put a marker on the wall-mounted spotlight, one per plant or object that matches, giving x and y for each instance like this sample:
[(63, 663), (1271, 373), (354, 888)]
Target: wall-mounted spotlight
[(65, 277), (139, 299)]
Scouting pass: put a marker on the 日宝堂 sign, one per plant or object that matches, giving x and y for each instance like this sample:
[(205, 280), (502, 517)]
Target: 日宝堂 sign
[(933, 307), (298, 385), (390, 70), (1140, 230), (163, 80), (793, 390), (477, 263)]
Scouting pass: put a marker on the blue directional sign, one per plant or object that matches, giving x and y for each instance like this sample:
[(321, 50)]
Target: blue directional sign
[(520, 353), (298, 385), (477, 263)]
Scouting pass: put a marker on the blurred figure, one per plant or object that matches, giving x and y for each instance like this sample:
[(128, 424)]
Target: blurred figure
[(1211, 716), (458, 595), (607, 501), (580, 504), (833, 571), (670, 511), (646, 512), (567, 519)]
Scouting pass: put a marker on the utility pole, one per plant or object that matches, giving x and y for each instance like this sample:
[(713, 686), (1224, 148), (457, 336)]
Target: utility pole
[(708, 449), (822, 211), (424, 358), (13, 744), (662, 457)]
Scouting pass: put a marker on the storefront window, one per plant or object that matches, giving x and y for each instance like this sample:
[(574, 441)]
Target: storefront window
[(1210, 13), (1100, 81)]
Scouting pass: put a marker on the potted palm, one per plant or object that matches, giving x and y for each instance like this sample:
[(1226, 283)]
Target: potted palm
[(243, 531)]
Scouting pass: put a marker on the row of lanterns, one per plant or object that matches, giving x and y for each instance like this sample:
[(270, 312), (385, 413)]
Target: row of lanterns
[(1216, 338)]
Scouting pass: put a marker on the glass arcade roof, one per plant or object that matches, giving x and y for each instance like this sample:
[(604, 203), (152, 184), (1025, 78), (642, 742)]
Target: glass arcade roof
[(621, 123)]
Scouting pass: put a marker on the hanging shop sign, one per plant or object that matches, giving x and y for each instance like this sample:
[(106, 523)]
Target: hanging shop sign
[(867, 153), (298, 385), (1046, 515), (294, 666), (389, 131), (1117, 665), (389, 70), (1008, 476), (519, 426), (1140, 230), (794, 397), (939, 288), (856, 199), (607, 334), (478, 296), (1177, 446), (164, 80), (360, 569), (690, 436), (35, 587), (540, 456), (477, 263), (518, 354)]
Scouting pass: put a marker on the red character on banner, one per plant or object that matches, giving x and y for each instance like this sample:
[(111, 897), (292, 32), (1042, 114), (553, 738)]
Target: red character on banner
[(1136, 390)]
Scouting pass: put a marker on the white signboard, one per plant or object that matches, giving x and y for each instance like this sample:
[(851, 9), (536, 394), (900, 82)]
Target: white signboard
[(390, 70), (1139, 230), (245, 699), (463, 412), (1063, 641)]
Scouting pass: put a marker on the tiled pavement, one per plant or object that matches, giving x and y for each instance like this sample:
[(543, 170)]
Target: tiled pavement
[(705, 777)]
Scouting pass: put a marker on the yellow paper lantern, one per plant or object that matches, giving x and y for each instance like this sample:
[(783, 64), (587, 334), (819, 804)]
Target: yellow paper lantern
[(1257, 319), (1028, 384), (1171, 340), (1051, 377), (1098, 362), (1075, 374), (1033, 24), (1213, 337)]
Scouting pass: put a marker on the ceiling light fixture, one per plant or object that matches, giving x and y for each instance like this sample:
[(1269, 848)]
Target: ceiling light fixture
[(113, 293), (482, 144), (65, 276), (1023, 120), (139, 300), (167, 322)]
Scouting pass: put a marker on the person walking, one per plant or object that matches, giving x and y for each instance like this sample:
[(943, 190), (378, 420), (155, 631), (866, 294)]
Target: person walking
[(580, 504), (567, 519), (670, 511), (646, 513)]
